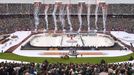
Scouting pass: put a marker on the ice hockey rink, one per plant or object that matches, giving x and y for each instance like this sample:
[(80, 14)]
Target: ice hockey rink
[(58, 53)]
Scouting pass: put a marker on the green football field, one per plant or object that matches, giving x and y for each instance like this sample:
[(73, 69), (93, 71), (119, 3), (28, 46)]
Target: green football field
[(92, 60)]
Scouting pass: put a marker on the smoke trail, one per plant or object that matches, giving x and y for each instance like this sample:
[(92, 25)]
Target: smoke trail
[(104, 12), (54, 16), (46, 17), (88, 17), (61, 16), (36, 16), (68, 18), (79, 16), (96, 16)]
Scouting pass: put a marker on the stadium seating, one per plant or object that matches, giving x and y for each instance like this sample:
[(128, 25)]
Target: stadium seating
[(15, 17), (47, 68)]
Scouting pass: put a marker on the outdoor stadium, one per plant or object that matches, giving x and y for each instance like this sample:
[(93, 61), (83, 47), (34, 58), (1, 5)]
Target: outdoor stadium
[(66, 37)]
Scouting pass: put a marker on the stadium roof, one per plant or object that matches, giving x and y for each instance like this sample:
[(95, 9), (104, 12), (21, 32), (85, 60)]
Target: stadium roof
[(68, 1)]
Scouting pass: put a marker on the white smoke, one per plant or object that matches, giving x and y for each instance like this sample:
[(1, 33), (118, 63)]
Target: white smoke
[(68, 18), (88, 17), (104, 12), (54, 16), (36, 17), (46, 16), (79, 16), (96, 16), (61, 16)]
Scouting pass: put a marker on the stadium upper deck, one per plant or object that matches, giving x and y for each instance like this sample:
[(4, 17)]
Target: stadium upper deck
[(20, 14), (69, 1)]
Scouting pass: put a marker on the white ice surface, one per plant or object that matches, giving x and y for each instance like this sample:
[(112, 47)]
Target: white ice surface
[(125, 37), (37, 53), (14, 41)]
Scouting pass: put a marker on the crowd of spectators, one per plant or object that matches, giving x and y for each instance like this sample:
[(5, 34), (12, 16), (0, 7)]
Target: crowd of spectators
[(15, 17), (47, 68), (118, 9), (9, 24)]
